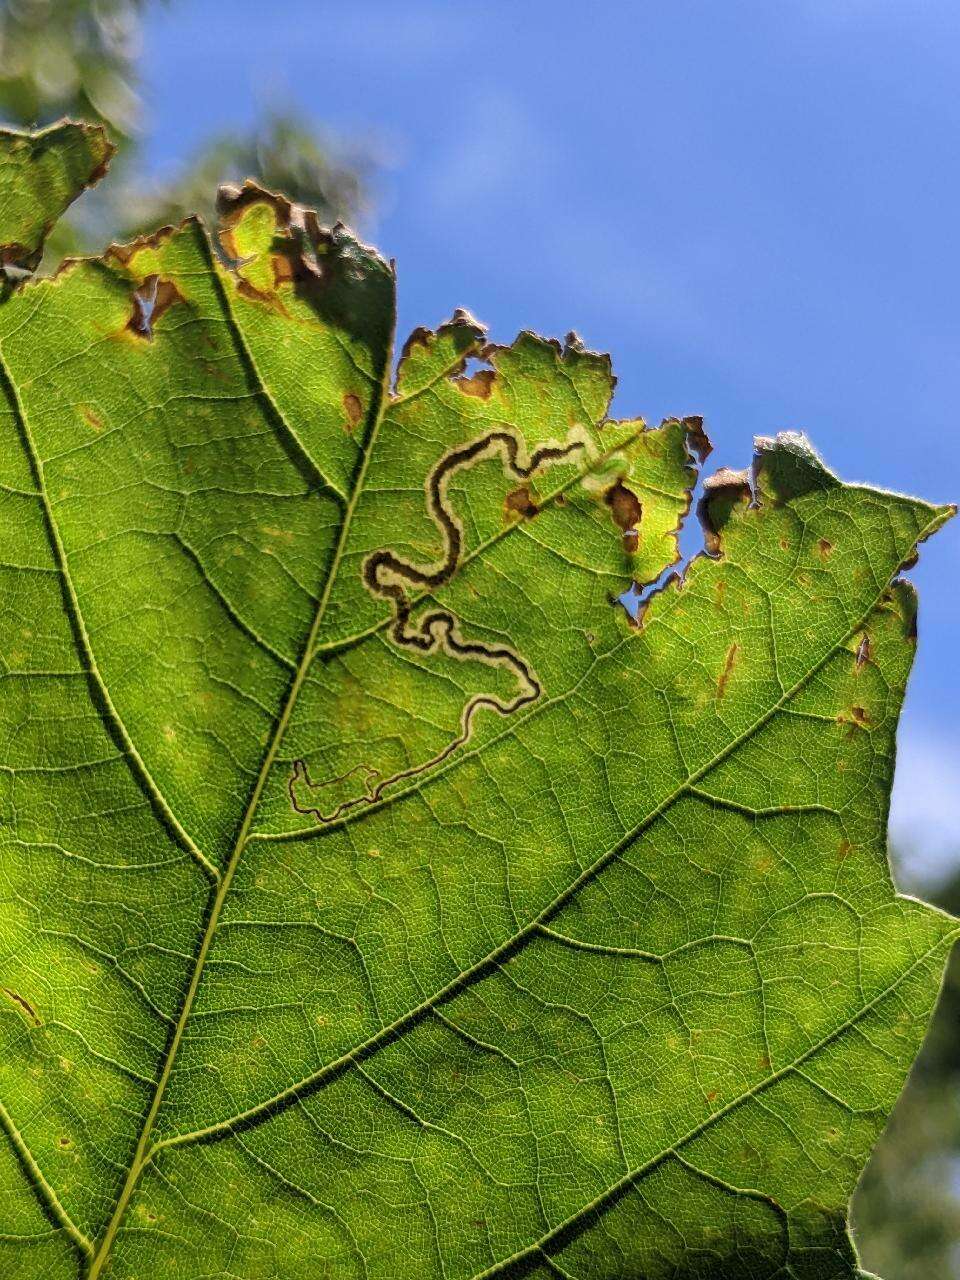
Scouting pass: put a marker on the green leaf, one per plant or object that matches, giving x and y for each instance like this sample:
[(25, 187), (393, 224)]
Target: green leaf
[(379, 899), (41, 174)]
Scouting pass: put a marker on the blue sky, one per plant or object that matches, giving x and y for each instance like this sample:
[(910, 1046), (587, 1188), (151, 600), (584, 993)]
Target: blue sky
[(752, 206)]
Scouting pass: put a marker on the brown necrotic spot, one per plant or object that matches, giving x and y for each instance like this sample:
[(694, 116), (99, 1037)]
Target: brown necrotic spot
[(824, 548), (723, 493), (353, 409), (167, 296), (911, 559), (15, 254), (697, 438), (626, 510), (233, 199), (294, 247), (479, 385), (24, 1006), (419, 337), (728, 664), (519, 503), (151, 299), (264, 296), (124, 254), (854, 718), (863, 654), (626, 514)]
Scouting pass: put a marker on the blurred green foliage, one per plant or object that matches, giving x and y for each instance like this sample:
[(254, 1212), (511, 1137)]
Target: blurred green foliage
[(281, 153), (71, 57), (906, 1211), (82, 58)]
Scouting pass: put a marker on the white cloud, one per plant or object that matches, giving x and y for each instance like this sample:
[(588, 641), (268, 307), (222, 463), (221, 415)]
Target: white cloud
[(500, 158), (925, 807)]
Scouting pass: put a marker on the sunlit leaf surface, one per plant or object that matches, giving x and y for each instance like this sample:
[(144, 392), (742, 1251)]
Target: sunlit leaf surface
[(41, 174), (379, 898)]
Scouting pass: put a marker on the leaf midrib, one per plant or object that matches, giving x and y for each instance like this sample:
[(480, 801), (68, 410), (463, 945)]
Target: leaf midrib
[(222, 881), (96, 1257), (143, 1152)]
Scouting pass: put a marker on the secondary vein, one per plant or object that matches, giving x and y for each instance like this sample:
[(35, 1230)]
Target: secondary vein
[(139, 767), (44, 1190), (488, 962), (612, 1193)]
